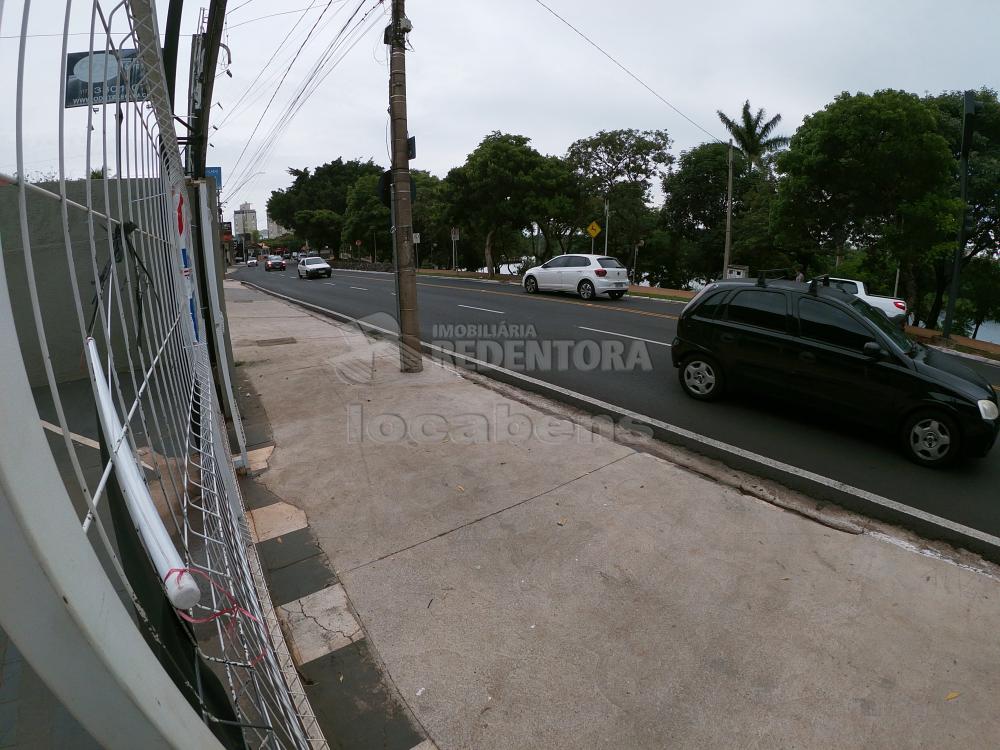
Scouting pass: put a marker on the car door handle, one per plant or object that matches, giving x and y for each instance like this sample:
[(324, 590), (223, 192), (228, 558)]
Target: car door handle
[(727, 338), (807, 356)]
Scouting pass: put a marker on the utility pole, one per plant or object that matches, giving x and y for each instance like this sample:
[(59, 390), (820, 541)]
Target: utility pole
[(406, 275), (607, 223), (729, 215), (968, 121)]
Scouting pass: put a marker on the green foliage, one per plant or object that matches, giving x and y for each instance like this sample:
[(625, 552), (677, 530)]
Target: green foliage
[(366, 219), (868, 171), (492, 191), (314, 204), (695, 204), (612, 157), (753, 135), (981, 290), (320, 226)]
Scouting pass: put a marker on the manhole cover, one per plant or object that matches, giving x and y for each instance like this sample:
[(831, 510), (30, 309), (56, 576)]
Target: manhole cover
[(275, 342)]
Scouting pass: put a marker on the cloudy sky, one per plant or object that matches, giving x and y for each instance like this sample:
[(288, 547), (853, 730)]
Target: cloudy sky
[(480, 66)]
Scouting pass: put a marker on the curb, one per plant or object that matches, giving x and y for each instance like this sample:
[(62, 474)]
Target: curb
[(815, 485)]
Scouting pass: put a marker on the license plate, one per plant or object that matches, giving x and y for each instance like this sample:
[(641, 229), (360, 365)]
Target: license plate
[(619, 283)]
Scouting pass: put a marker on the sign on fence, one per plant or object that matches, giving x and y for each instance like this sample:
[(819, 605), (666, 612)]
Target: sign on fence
[(103, 78)]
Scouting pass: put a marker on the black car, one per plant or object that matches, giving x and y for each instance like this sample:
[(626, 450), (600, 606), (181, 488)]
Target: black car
[(833, 352), (274, 263)]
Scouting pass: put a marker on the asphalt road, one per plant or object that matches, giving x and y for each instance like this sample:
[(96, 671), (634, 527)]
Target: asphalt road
[(968, 494)]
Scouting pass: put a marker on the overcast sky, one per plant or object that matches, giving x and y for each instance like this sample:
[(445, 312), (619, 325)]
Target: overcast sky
[(480, 66)]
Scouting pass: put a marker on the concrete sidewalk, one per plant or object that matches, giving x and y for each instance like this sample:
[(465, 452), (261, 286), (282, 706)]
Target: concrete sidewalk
[(524, 582)]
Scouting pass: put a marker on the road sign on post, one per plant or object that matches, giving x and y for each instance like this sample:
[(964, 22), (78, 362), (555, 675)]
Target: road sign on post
[(594, 229), (416, 238), (454, 252)]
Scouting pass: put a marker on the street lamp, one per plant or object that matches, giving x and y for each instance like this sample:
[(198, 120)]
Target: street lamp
[(635, 261)]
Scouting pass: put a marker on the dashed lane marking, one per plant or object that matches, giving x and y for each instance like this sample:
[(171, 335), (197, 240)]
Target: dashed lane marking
[(625, 336), (484, 309)]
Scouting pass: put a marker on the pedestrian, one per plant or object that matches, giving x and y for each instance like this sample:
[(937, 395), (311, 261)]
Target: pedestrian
[(799, 276)]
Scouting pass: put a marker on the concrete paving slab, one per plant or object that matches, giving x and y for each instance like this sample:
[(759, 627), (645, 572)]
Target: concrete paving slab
[(319, 624), (354, 705), (275, 520), (257, 459), (663, 612)]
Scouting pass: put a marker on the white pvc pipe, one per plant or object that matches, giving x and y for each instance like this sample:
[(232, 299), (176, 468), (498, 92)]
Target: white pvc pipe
[(182, 590)]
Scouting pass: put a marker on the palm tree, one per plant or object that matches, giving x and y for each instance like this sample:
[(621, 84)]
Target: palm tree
[(752, 135)]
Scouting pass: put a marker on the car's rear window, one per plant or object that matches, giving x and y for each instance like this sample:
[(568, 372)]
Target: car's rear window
[(610, 263)]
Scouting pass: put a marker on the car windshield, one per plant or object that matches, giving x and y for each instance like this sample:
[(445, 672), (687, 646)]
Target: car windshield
[(878, 318), (313, 261), (274, 257)]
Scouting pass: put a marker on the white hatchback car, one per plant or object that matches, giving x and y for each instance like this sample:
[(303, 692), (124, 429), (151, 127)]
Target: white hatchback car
[(587, 275)]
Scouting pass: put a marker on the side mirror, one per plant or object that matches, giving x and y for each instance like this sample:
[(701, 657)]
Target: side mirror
[(872, 349)]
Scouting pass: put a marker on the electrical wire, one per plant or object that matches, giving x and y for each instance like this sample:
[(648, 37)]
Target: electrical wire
[(321, 69), (284, 75), (270, 15), (309, 85), (281, 45), (628, 72)]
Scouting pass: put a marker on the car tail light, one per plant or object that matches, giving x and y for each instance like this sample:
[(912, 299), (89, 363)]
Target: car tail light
[(899, 304), (601, 272)]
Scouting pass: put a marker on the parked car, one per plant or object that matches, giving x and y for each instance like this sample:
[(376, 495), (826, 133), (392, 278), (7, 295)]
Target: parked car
[(833, 352), (251, 262), (274, 263), (310, 268), (587, 275), (894, 309)]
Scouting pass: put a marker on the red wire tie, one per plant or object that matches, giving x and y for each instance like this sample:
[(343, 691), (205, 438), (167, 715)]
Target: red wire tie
[(234, 609)]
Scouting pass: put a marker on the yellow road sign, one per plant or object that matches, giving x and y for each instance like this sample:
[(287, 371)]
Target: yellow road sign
[(594, 229)]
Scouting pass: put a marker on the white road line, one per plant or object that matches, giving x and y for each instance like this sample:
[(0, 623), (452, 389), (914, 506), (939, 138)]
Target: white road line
[(835, 484), (329, 283), (359, 287), (625, 336), (484, 309)]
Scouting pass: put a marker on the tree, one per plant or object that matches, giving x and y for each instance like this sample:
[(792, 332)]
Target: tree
[(559, 205), (984, 177), (492, 190), (981, 287), (694, 206), (753, 135), (869, 172), (324, 190), (320, 226), (366, 218), (619, 166), (620, 156)]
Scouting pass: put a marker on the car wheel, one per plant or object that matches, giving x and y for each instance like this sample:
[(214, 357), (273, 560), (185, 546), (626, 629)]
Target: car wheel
[(616, 295), (931, 438), (586, 289), (329, 274), (530, 285), (702, 378)]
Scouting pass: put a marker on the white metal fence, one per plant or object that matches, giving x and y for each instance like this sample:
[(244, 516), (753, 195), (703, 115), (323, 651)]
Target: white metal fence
[(130, 581)]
